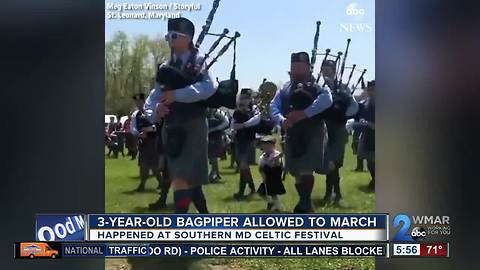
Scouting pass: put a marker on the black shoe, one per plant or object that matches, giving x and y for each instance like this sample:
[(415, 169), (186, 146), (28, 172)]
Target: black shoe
[(337, 199), (371, 185), (300, 210), (140, 188), (238, 196), (158, 205), (269, 206), (326, 199), (358, 170), (214, 179)]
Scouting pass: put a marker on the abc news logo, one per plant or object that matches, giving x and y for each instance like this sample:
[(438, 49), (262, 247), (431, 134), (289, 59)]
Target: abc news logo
[(355, 22), (354, 10), (418, 233)]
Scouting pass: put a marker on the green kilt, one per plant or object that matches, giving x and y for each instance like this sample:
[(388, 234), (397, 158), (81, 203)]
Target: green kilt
[(148, 156), (245, 152), (314, 144), (336, 141), (191, 164)]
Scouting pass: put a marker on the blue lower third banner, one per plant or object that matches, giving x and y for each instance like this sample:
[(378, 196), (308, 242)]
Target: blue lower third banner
[(60, 227), (223, 250)]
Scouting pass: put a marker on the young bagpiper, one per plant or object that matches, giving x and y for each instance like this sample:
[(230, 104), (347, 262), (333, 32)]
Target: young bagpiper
[(271, 168)]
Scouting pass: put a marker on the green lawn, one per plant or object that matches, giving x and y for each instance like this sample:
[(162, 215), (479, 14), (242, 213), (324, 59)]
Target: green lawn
[(121, 178)]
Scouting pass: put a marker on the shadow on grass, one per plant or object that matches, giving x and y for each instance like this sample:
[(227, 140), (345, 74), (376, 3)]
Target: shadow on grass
[(137, 177), (218, 182), (156, 263), (366, 189), (246, 198), (321, 203), (134, 191), (229, 173), (145, 210), (270, 212)]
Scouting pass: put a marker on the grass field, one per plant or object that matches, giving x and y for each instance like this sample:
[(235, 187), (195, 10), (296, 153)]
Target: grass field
[(121, 179)]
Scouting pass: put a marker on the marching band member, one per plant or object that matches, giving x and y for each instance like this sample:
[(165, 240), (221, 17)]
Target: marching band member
[(305, 134), (244, 118), (144, 130), (367, 126), (217, 123), (184, 125), (337, 133)]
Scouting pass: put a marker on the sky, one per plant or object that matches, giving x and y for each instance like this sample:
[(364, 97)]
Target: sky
[(270, 31)]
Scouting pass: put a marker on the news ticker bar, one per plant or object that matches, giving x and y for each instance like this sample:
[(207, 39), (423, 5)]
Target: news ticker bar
[(68, 250), (421, 250), (213, 228)]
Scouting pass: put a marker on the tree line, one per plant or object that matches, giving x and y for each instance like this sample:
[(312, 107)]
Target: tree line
[(130, 66)]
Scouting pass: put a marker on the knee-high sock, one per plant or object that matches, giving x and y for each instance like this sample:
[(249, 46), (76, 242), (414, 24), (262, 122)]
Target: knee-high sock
[(371, 169), (164, 187), (336, 181), (249, 179), (214, 171), (304, 188), (198, 199), (159, 176), (328, 184), (182, 199), (242, 183), (308, 181), (359, 163), (144, 173)]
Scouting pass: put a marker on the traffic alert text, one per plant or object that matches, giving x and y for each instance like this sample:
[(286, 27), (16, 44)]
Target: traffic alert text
[(246, 250)]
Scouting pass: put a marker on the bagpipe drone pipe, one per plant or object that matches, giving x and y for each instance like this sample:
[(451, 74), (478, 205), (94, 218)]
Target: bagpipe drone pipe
[(172, 78), (341, 94)]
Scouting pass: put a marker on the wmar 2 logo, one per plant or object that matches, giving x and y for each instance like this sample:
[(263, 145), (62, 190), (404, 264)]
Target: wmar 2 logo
[(424, 225), (417, 234)]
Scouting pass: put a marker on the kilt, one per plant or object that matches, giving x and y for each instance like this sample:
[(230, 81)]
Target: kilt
[(245, 152), (191, 164), (148, 156), (366, 145), (216, 145), (312, 159), (131, 141), (273, 180), (336, 141)]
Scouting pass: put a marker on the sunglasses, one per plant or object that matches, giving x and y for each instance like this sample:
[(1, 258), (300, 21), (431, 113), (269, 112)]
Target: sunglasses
[(174, 35)]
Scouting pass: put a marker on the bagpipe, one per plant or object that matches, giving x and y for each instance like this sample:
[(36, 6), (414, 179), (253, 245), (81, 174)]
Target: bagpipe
[(341, 93), (302, 96), (172, 78)]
